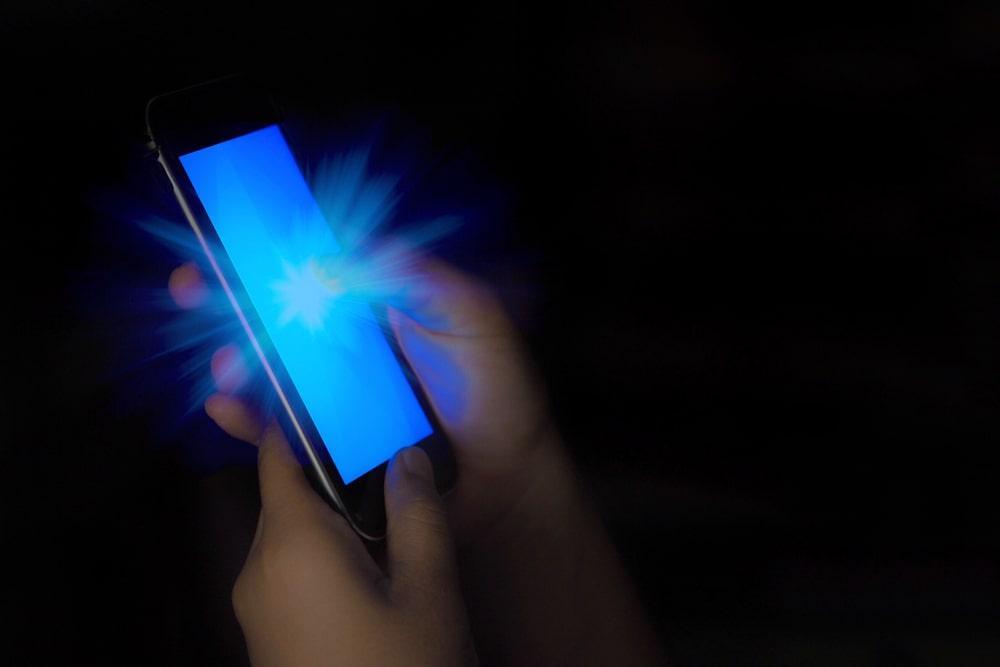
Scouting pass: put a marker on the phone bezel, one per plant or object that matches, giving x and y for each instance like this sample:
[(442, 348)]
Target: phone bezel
[(206, 114)]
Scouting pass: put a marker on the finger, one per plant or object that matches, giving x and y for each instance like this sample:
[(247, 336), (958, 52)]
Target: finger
[(420, 557), (286, 496), (438, 364), (446, 299), (283, 484), (296, 521), (187, 287), (229, 369), (235, 417)]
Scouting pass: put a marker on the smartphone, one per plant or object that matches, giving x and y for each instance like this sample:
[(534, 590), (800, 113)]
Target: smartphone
[(349, 399)]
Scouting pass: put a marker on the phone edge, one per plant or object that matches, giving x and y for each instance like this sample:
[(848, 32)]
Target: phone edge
[(328, 488)]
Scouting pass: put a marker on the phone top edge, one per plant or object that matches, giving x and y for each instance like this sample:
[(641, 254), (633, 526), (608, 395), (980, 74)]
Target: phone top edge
[(185, 89), (200, 115)]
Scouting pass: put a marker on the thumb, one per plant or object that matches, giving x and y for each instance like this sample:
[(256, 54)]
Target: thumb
[(437, 363), (421, 560)]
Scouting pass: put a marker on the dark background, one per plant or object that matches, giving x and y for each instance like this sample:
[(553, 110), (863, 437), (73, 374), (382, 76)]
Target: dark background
[(755, 251)]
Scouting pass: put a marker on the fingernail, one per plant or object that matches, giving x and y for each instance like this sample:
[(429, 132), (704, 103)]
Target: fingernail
[(416, 463)]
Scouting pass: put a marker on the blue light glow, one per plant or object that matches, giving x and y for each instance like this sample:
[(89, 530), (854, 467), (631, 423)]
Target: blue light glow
[(305, 295), (296, 275)]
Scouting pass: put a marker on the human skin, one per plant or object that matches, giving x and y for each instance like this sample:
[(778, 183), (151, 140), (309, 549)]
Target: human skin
[(517, 538)]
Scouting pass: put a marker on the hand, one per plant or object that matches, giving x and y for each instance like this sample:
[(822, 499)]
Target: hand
[(466, 353), (309, 592), (542, 581)]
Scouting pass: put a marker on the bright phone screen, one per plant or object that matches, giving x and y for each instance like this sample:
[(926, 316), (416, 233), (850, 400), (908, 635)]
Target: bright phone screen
[(330, 343)]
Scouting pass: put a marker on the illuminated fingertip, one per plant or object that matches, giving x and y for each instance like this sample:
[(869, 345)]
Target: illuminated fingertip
[(187, 287), (234, 417), (215, 406), (229, 370), (223, 410)]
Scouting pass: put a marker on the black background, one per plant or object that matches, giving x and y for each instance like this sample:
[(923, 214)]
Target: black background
[(754, 249)]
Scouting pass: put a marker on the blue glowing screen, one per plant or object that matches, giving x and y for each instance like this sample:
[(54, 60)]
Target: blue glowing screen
[(328, 339)]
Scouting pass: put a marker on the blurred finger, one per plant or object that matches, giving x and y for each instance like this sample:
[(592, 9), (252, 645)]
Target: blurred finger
[(283, 484), (235, 417), (446, 299), (437, 363), (295, 520), (187, 286), (229, 369), (419, 549), (290, 507)]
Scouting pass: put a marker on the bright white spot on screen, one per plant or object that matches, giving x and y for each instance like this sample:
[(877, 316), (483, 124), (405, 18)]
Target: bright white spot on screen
[(304, 295)]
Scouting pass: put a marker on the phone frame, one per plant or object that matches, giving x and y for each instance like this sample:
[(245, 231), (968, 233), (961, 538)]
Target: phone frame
[(206, 114)]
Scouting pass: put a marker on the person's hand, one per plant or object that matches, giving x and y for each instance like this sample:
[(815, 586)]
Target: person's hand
[(541, 580), (466, 354), (310, 593)]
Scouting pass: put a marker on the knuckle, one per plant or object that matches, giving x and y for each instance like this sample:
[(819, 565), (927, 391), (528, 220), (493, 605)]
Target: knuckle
[(427, 513), (242, 594)]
